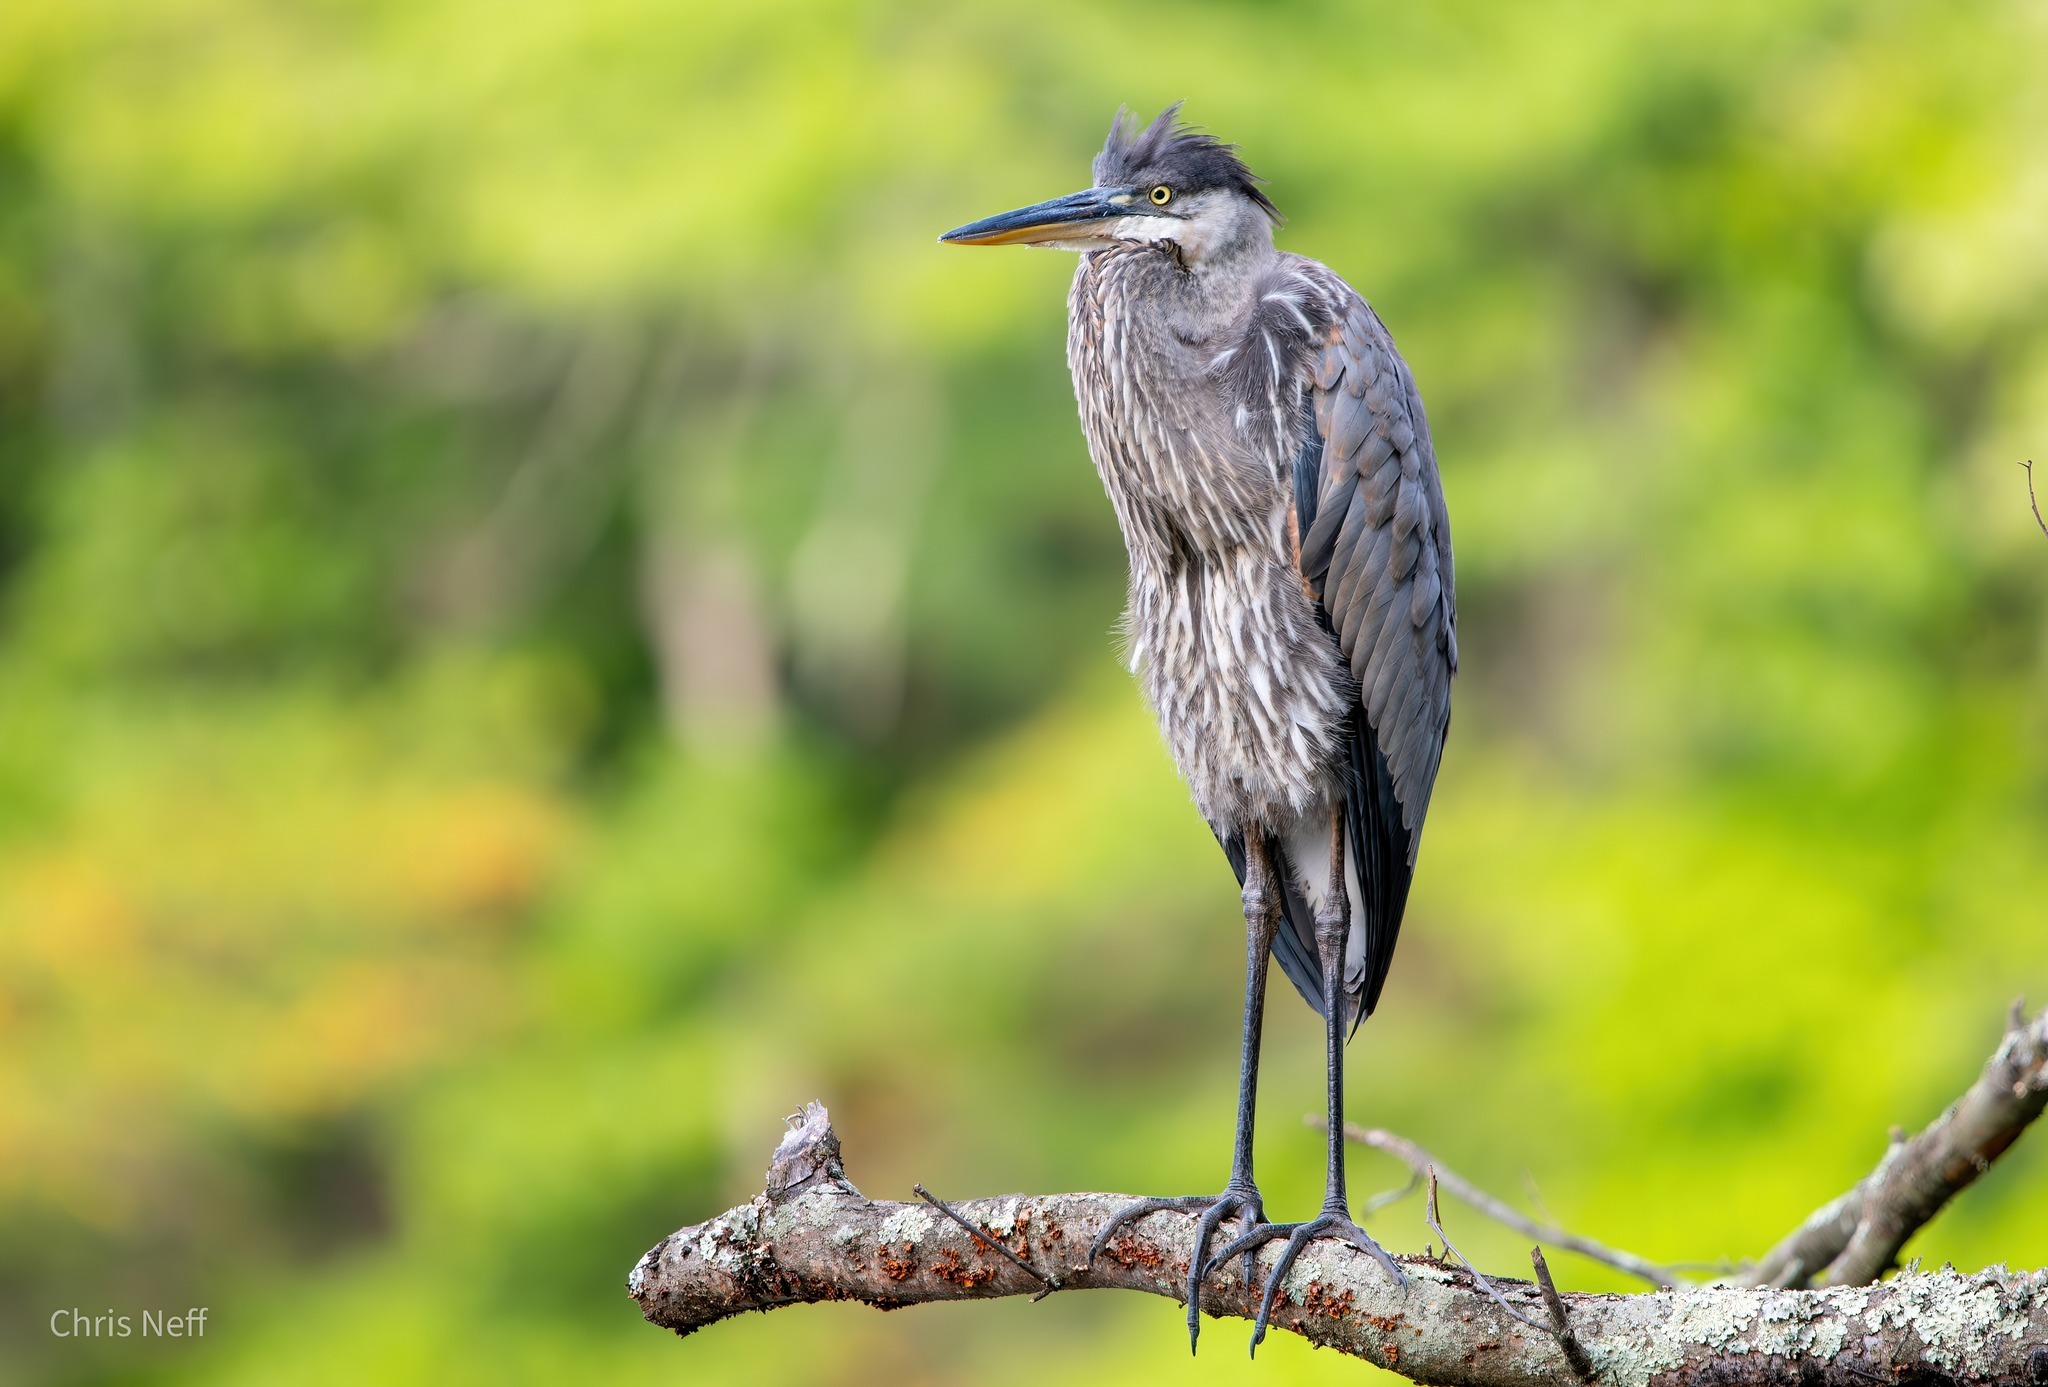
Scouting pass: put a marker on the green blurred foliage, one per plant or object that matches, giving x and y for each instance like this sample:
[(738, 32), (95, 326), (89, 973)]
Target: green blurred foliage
[(543, 623)]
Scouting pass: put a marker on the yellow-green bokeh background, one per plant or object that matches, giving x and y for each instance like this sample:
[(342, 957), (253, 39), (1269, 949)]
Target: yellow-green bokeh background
[(543, 622)]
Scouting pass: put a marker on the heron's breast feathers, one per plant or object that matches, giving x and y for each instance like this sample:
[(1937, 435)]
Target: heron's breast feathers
[(1290, 560)]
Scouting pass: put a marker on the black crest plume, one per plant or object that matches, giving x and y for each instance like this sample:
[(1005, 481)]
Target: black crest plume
[(1169, 151)]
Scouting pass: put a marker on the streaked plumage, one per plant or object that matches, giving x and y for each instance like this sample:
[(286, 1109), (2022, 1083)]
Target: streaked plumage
[(1291, 613)]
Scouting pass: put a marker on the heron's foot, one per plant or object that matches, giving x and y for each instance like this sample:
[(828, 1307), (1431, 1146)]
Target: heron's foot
[(1239, 1199), (1331, 1223)]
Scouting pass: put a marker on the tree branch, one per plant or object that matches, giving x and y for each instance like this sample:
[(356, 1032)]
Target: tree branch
[(810, 1236), (1855, 1238)]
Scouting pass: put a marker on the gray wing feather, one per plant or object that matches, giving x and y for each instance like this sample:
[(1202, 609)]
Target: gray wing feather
[(1401, 639), (1375, 550)]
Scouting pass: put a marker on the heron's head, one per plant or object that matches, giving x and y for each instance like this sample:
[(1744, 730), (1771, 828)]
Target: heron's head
[(1165, 184)]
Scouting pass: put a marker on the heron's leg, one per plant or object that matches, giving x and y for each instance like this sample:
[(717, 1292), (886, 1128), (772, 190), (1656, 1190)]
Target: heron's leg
[(1333, 939), (1333, 931), (1261, 918), (1241, 1195)]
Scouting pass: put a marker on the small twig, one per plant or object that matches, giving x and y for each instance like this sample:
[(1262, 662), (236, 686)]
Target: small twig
[(986, 1241), (1386, 1197), (1436, 1226), (2032, 501), (1560, 1322), (1417, 1159)]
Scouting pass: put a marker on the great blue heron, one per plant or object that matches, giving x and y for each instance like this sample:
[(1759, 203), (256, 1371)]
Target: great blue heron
[(1291, 614)]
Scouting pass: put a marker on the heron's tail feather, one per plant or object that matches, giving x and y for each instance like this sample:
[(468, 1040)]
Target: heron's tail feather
[(1294, 943)]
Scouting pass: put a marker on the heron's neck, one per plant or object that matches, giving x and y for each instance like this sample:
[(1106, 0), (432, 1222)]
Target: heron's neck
[(1227, 236), (1210, 299)]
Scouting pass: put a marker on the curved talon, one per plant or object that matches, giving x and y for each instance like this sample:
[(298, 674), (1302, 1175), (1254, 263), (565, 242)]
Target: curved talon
[(1131, 1213), (1249, 1243), (1215, 1209), (1296, 1241), (1299, 1236), (1251, 1210), (1363, 1241)]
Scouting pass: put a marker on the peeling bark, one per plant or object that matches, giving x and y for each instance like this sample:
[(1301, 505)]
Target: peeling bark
[(811, 1236)]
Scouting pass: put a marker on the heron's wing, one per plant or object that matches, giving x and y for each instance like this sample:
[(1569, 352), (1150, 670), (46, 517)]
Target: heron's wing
[(1375, 549)]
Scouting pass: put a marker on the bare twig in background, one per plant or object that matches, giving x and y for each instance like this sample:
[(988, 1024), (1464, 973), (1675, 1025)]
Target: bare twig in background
[(2032, 501), (1720, 1266), (1419, 1160), (1855, 1238), (1393, 1196), (811, 1236), (554, 498)]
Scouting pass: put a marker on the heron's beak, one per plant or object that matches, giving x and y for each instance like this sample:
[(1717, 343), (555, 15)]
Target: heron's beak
[(1076, 217)]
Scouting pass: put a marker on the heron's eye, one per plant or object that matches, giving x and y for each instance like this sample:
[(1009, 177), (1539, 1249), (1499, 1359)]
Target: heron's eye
[(1161, 195)]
